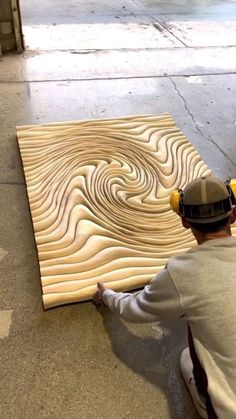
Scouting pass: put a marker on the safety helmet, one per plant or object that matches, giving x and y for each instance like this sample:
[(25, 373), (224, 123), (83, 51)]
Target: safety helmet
[(205, 200)]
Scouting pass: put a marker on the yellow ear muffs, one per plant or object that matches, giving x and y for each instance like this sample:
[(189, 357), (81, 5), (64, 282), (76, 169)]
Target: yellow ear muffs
[(174, 201), (233, 186), (176, 197)]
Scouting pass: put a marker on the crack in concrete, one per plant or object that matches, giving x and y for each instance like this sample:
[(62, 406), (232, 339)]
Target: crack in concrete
[(160, 24), (165, 26), (208, 137)]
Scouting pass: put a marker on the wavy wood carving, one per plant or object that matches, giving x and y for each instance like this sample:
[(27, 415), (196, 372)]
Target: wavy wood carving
[(99, 197)]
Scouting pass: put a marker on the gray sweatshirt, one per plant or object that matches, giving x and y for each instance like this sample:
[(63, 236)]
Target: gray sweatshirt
[(200, 286)]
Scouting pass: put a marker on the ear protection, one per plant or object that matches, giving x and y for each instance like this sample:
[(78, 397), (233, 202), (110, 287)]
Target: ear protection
[(176, 198)]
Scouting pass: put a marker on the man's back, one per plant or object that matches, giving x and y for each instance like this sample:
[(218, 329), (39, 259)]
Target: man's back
[(200, 286), (205, 278)]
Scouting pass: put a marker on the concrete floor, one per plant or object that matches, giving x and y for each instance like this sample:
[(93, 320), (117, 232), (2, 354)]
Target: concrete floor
[(73, 362)]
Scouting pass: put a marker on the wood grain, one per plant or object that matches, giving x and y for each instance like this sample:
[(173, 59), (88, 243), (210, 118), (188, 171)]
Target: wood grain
[(99, 197)]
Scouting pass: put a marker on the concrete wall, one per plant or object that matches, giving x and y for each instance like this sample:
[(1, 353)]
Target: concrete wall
[(10, 26)]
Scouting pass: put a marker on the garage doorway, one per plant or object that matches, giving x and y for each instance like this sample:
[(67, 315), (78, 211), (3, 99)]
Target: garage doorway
[(117, 24)]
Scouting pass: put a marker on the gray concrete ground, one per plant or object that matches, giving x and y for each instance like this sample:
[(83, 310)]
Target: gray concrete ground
[(73, 362)]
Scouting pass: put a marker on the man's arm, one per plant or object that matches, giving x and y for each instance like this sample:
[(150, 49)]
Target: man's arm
[(160, 300)]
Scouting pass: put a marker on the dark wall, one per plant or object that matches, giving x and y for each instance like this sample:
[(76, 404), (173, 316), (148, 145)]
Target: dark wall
[(8, 39)]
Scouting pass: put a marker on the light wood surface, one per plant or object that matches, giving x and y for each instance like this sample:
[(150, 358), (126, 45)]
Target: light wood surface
[(99, 197)]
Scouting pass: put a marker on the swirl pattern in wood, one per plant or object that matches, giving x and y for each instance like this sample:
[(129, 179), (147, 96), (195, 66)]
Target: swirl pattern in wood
[(99, 198)]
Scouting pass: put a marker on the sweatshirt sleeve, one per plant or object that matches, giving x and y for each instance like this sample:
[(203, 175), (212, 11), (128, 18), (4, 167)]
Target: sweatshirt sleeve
[(160, 300)]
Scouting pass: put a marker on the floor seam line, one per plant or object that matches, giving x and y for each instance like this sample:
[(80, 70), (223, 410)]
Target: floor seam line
[(116, 78), (12, 183)]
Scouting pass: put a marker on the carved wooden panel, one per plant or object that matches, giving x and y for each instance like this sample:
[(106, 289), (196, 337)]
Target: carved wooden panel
[(99, 198)]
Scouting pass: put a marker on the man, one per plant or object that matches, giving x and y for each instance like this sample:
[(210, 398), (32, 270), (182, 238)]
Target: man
[(199, 285)]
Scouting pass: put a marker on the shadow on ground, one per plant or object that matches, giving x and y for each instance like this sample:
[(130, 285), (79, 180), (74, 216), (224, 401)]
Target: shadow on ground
[(156, 359)]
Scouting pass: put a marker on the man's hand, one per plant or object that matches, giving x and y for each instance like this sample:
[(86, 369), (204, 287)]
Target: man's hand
[(97, 298)]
